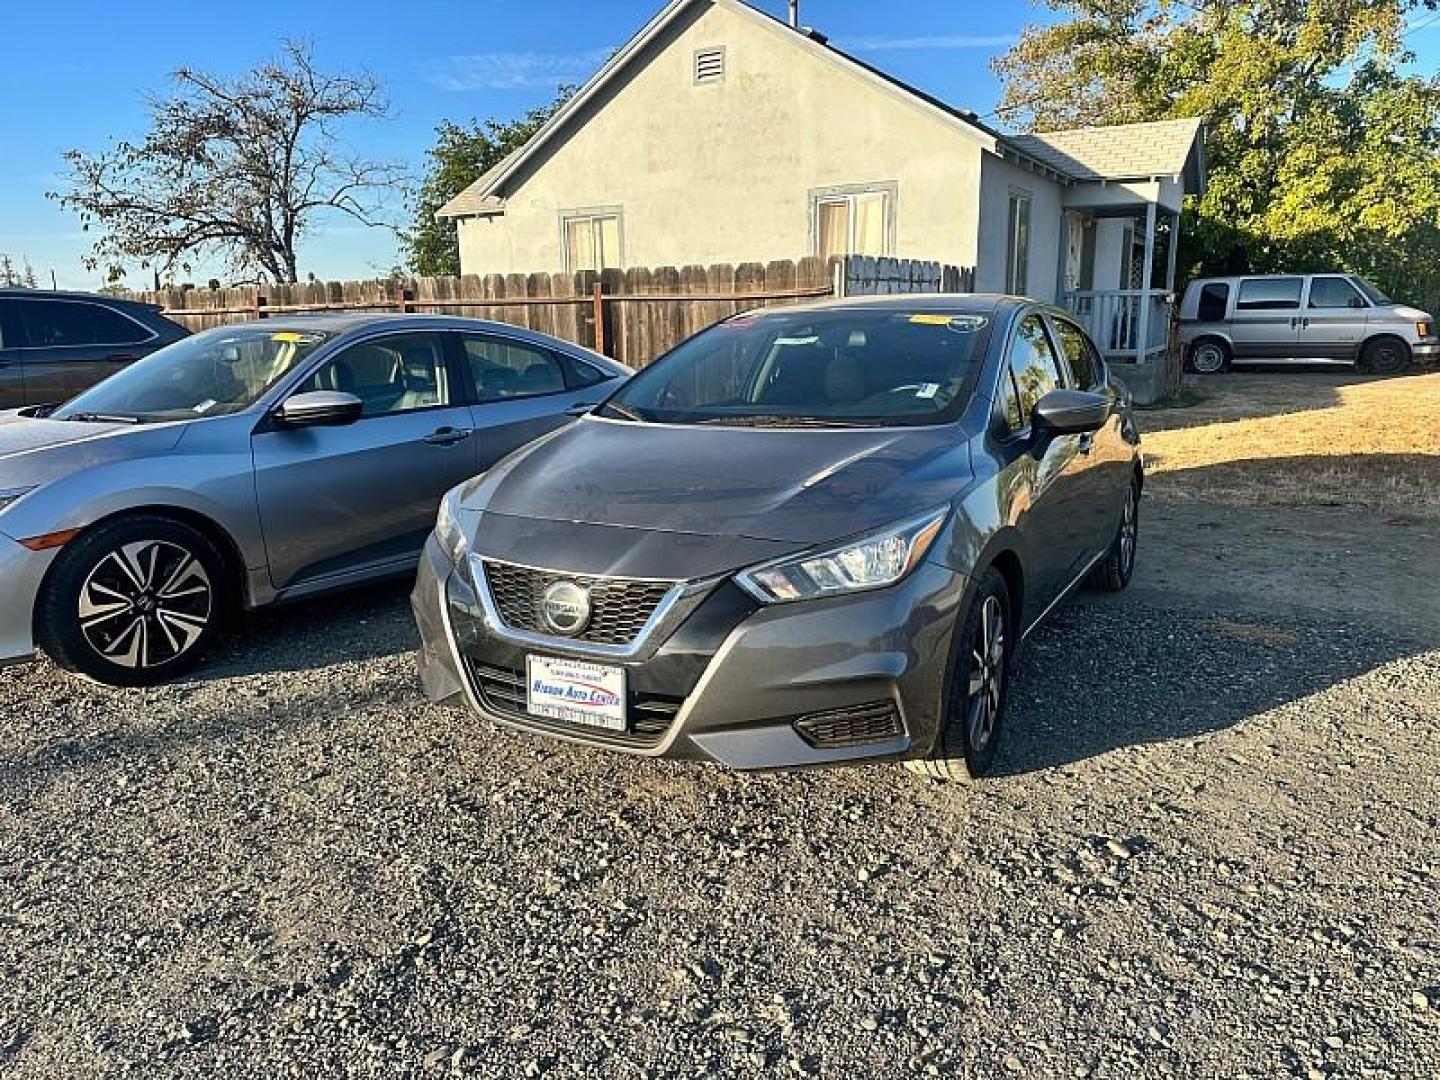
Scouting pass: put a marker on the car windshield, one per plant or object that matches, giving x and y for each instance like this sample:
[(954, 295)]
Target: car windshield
[(215, 373), (836, 368), (1368, 288)]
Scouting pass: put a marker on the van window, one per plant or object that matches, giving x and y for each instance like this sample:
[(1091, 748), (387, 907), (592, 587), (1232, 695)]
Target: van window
[(1269, 294), (1334, 292), (65, 323), (1214, 299)]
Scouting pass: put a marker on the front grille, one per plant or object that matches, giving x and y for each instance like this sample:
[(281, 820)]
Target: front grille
[(854, 726), (619, 607), (502, 690)]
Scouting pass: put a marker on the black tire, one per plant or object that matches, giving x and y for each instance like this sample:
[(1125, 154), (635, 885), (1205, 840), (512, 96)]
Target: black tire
[(1113, 572), (965, 748), (1209, 356), (133, 601), (1384, 356)]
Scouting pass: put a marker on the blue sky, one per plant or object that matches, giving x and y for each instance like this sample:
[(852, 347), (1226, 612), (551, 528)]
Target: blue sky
[(76, 75)]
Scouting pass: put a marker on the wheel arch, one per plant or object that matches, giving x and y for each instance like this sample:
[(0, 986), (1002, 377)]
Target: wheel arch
[(1008, 563)]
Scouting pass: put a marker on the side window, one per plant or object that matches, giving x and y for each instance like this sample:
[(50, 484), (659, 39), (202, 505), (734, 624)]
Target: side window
[(1010, 403), (1334, 292), (1084, 363), (395, 374), (1269, 294), (9, 325), (60, 323), (1033, 363), (501, 369), (582, 374), (1214, 299)]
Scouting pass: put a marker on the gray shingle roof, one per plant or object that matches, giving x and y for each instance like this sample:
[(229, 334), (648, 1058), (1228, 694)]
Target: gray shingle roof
[(473, 199), (1123, 152)]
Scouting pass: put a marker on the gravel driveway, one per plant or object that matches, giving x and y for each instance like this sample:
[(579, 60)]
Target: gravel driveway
[(1211, 852)]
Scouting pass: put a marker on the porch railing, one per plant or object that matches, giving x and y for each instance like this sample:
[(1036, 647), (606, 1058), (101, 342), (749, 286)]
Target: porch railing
[(1127, 324)]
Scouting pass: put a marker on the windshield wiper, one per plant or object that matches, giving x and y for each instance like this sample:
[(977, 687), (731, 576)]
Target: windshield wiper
[(101, 418)]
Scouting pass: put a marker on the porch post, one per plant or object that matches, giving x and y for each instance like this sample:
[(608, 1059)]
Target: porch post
[(1143, 337), (1174, 253)]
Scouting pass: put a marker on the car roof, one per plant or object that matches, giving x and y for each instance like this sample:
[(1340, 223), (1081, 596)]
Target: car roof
[(17, 292), (943, 303)]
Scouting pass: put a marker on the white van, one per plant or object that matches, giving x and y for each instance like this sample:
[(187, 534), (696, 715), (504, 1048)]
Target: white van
[(1302, 319)]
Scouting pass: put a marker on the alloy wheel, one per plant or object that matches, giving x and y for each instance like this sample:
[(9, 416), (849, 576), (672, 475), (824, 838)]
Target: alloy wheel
[(1208, 358), (145, 604), (987, 674), (1129, 533)]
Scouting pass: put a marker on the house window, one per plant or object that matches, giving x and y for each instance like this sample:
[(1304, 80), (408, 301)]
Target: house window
[(854, 221), (709, 66), (1017, 250), (592, 240)]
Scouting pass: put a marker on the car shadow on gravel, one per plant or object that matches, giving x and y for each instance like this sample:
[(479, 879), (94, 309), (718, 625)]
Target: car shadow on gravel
[(1107, 673), (362, 624)]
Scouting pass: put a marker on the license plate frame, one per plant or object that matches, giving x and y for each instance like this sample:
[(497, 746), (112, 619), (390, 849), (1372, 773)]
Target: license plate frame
[(578, 692)]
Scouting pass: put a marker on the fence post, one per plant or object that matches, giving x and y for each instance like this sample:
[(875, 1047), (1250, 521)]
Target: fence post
[(405, 300), (260, 302), (842, 277), (599, 301)]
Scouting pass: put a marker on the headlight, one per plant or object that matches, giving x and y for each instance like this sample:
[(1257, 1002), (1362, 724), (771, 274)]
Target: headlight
[(9, 495), (447, 527), (872, 562)]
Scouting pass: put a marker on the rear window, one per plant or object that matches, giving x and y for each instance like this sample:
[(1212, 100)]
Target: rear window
[(828, 368), (54, 324), (1214, 299), (1269, 294)]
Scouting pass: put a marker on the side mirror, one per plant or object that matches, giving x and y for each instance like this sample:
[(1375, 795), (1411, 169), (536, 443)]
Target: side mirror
[(1070, 412), (320, 408)]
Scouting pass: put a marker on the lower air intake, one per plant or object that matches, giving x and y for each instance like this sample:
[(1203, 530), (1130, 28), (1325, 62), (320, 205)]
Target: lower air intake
[(858, 725)]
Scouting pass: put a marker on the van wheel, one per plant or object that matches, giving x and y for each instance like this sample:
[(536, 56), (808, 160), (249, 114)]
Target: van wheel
[(979, 684), (1209, 356), (1385, 356), (133, 602)]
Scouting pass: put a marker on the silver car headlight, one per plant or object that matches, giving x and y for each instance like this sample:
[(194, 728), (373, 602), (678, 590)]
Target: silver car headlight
[(871, 562), (10, 495), (447, 528)]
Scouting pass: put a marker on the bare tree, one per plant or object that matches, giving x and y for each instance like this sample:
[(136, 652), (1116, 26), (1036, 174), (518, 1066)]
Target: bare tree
[(236, 169)]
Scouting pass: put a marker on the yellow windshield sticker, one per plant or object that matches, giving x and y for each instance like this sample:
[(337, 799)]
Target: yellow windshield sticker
[(290, 337), (931, 320)]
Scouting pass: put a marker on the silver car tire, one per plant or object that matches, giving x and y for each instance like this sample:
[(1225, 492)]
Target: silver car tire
[(1209, 356), (134, 601), (977, 689)]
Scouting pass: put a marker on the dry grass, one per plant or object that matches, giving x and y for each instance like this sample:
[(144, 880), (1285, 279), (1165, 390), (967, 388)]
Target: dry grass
[(1303, 439)]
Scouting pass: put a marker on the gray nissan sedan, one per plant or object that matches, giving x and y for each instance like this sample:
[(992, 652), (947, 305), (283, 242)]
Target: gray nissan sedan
[(249, 465), (806, 536)]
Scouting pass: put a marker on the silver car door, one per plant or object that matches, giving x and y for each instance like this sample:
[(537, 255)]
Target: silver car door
[(362, 497), (1266, 321), (521, 391), (1334, 320)]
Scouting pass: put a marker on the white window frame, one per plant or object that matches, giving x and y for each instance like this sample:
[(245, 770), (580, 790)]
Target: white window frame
[(592, 214), (850, 194), (1017, 263)]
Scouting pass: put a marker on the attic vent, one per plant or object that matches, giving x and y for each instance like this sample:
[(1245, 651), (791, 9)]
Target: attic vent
[(709, 66)]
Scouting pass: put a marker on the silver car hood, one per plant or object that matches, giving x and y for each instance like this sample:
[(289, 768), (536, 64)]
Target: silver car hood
[(34, 451), (795, 487)]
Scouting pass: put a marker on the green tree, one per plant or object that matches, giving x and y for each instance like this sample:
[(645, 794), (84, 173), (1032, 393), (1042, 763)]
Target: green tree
[(461, 155), (1323, 148)]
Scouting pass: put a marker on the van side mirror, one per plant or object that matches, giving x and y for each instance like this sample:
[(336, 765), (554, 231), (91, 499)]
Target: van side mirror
[(320, 408), (1070, 412)]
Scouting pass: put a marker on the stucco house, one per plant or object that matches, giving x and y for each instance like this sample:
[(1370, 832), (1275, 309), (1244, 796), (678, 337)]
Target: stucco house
[(721, 134)]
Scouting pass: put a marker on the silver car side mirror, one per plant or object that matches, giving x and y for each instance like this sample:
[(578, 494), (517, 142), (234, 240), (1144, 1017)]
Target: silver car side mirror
[(320, 408)]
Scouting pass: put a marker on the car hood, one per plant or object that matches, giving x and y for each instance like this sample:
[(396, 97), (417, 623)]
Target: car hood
[(795, 486), (1405, 311), (34, 451)]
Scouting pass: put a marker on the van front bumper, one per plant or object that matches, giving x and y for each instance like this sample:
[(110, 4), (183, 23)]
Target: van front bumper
[(749, 686)]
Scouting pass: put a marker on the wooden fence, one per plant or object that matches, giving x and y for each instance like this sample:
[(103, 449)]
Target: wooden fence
[(632, 315)]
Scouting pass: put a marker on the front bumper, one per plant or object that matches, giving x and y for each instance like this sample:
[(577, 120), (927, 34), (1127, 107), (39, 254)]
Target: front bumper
[(21, 572), (1427, 352), (748, 686)]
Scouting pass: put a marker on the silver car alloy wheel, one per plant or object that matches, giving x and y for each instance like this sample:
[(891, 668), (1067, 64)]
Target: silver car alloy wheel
[(1208, 358), (145, 604), (987, 673)]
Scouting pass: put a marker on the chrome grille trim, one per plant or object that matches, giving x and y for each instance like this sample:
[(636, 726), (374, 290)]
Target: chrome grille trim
[(679, 599)]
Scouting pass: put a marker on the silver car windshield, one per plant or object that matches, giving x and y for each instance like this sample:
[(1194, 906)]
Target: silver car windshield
[(214, 373), (846, 368)]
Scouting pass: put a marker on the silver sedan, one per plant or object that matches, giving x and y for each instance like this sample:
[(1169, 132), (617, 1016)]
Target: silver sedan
[(250, 465)]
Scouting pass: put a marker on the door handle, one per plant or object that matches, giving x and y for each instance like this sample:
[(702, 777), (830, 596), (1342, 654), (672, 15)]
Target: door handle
[(448, 436), (581, 408)]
